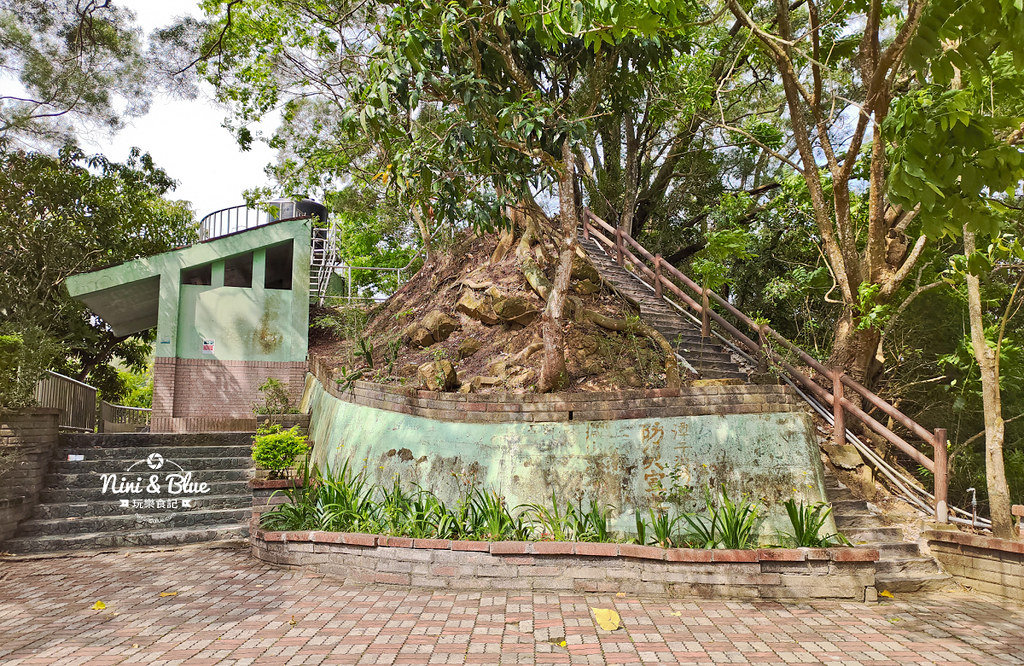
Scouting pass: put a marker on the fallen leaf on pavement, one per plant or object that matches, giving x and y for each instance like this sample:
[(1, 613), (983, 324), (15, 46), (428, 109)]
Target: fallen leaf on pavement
[(168, 594), (99, 605), (885, 593), (607, 619)]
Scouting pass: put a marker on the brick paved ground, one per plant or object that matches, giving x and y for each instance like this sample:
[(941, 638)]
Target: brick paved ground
[(230, 609)]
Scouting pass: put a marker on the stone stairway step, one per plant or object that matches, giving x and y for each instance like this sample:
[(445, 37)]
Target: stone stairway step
[(107, 507), (187, 464), (849, 521), (151, 440), (169, 453), (900, 584), (95, 494), (86, 480), (134, 538), (128, 521), (917, 566)]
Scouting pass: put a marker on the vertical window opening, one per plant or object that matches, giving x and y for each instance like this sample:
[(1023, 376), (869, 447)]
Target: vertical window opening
[(238, 271), (279, 267)]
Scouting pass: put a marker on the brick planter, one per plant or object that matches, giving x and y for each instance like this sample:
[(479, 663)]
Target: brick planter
[(987, 564), (268, 493), (832, 573)]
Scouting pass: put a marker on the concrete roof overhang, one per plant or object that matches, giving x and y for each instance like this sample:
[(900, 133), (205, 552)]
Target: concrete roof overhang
[(128, 308)]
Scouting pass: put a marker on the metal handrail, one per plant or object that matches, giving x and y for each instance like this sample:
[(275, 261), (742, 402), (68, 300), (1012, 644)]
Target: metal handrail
[(841, 406), (76, 401), (383, 269), (233, 219)]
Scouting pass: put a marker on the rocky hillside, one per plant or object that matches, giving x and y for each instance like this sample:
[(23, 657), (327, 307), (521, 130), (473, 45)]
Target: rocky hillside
[(471, 323)]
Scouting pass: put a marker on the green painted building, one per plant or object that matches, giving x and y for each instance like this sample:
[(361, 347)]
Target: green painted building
[(229, 313)]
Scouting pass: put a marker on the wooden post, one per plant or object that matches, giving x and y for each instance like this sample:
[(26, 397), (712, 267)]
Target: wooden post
[(657, 275), (620, 258), (941, 477), (586, 227), (762, 349), (838, 415), (705, 318)]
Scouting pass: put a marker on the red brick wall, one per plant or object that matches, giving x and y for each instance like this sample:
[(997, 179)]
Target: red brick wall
[(206, 394)]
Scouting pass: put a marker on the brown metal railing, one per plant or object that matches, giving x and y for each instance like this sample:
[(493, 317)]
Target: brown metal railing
[(663, 277), (75, 400), (119, 418)]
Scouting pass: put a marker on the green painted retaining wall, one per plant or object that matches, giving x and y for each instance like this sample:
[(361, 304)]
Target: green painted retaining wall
[(625, 463)]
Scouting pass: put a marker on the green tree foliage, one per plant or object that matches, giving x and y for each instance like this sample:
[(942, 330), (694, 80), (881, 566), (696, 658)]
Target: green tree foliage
[(73, 213), (77, 63)]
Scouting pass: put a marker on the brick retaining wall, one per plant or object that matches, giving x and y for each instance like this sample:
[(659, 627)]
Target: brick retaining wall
[(551, 566), (27, 443), (534, 407), (987, 564)]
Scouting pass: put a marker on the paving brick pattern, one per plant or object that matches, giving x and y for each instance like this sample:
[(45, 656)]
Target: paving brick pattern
[(230, 609)]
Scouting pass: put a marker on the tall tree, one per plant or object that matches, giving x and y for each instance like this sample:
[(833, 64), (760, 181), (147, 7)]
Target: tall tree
[(840, 88), (78, 63), (73, 213)]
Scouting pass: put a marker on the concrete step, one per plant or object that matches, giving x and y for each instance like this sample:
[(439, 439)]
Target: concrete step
[(174, 453), (186, 464), (108, 507), (95, 493), (907, 567), (86, 480), (136, 520), (873, 535), (134, 538), (865, 519), (154, 440), (899, 584), (898, 550)]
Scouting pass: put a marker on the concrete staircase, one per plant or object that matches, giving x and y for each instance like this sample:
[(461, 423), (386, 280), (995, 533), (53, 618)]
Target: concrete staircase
[(707, 356), (85, 504), (902, 567)]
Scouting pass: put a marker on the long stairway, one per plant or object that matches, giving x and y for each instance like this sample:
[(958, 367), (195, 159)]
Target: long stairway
[(120, 490), (902, 567), (707, 356)]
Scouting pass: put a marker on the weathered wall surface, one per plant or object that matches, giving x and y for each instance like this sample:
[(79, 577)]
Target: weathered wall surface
[(987, 564), (630, 464), (27, 443)]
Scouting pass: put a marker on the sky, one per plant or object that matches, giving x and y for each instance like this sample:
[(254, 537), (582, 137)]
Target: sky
[(185, 137)]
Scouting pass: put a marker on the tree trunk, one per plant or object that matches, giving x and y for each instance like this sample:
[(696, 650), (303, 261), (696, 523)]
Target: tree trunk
[(855, 351), (988, 366), (428, 249), (553, 374)]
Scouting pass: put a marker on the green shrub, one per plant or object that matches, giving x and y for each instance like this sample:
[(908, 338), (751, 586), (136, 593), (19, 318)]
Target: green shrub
[(275, 398), (276, 449), (24, 359)]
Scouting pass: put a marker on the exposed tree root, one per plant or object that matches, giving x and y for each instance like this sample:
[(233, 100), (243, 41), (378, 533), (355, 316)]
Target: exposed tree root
[(672, 378)]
